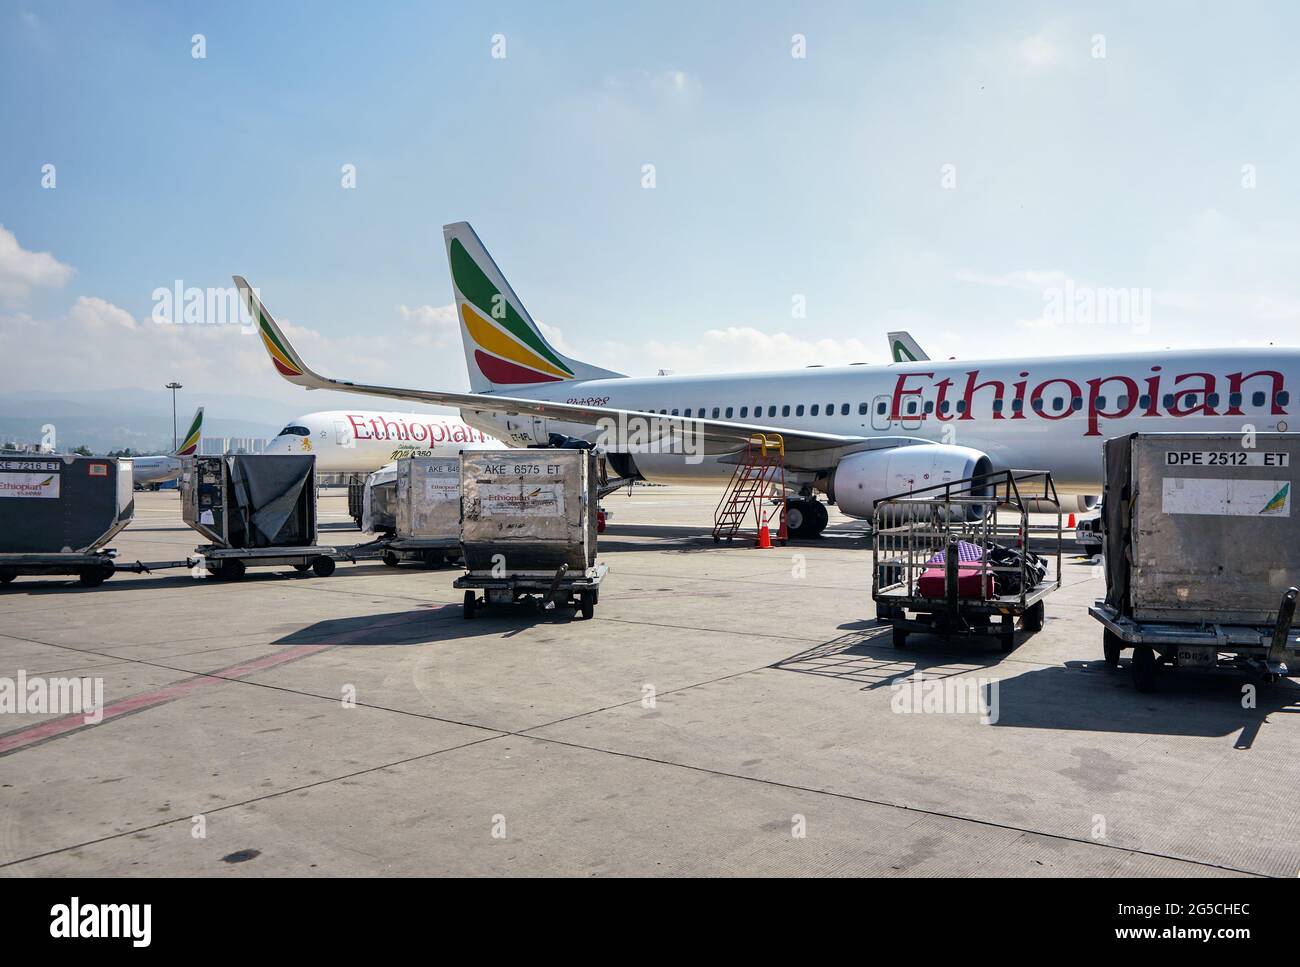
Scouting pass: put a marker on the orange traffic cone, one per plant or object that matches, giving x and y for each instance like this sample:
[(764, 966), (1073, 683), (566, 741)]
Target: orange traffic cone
[(1070, 523), (764, 537)]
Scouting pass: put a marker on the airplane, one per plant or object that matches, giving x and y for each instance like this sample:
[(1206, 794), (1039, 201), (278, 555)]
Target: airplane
[(150, 471), (853, 433), (904, 349), (352, 441)]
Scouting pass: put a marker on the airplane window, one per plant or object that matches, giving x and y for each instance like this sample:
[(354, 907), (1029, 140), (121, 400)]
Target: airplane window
[(798, 410), (728, 413), (844, 409), (1076, 403), (1234, 400), (862, 409), (830, 409), (785, 410), (880, 407), (295, 431), (1038, 405), (744, 412), (715, 412), (945, 406), (1191, 400), (1058, 403), (1168, 401), (675, 412), (1212, 400), (1283, 398), (911, 406), (771, 411), (1017, 405), (961, 406), (997, 405), (687, 413), (929, 406), (816, 408), (1144, 401), (1257, 399)]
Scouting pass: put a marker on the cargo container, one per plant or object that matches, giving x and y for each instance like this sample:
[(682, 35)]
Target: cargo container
[(1202, 550), (426, 511), (528, 527), (259, 510), (57, 512)]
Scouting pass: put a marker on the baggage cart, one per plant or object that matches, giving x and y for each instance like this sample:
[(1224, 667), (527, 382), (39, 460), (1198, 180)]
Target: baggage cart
[(957, 559), (528, 528), (426, 512), (1202, 553)]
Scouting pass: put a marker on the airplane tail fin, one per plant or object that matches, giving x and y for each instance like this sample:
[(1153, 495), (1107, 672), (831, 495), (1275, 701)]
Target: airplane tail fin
[(503, 346), (904, 349), (189, 444)]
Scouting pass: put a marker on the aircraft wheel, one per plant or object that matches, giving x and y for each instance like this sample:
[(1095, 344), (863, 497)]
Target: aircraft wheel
[(323, 567), (797, 517), (821, 517)]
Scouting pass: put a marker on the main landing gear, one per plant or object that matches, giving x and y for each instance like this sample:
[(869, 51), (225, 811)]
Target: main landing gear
[(805, 516)]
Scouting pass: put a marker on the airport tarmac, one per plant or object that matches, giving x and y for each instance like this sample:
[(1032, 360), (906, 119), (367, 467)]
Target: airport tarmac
[(728, 710)]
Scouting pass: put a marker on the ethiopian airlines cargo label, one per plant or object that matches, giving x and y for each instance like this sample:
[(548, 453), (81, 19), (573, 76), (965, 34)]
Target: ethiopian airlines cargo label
[(29, 485), (1226, 498), (530, 500)]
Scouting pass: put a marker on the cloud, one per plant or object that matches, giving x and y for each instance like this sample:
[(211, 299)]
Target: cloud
[(435, 326), (22, 271), (1037, 53)]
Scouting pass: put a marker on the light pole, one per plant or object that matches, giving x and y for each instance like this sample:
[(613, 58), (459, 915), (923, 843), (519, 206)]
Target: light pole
[(174, 386)]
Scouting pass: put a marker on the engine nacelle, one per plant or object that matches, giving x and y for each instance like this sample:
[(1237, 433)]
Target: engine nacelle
[(863, 478)]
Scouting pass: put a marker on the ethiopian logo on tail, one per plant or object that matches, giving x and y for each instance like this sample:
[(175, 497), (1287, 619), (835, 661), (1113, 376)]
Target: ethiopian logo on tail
[(1278, 504), (190, 445), (508, 349)]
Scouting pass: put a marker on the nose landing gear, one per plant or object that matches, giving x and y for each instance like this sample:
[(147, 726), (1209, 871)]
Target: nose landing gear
[(805, 516)]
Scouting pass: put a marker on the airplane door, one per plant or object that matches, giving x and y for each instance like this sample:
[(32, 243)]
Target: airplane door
[(540, 433), (343, 434), (880, 413)]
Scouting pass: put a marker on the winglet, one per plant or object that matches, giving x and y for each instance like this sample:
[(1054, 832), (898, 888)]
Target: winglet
[(904, 349), (287, 361), (190, 442)]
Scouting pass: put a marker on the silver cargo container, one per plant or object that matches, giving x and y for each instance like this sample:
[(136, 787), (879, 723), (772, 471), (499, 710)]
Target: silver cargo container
[(54, 503), (534, 508), (428, 499), (1204, 529)]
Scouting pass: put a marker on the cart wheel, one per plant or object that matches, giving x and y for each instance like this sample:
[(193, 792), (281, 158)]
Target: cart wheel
[(588, 604), (471, 605), (300, 568), (1007, 640), (91, 577), (389, 558), (1032, 619), (323, 566), (433, 559), (1271, 678), (900, 637), (7, 575), (1144, 668), (232, 570), (1111, 645)]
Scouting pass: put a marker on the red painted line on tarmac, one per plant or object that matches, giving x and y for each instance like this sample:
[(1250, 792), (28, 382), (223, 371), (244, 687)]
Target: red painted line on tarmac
[(54, 728)]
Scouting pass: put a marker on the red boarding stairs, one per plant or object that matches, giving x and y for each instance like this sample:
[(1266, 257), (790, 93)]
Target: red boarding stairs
[(758, 484)]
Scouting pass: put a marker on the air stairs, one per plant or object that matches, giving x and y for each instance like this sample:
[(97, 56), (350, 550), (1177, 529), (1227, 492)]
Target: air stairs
[(757, 485)]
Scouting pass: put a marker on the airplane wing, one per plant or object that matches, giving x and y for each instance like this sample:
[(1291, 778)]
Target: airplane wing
[(805, 449)]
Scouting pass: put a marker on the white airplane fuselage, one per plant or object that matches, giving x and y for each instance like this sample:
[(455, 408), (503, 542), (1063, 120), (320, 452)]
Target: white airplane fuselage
[(361, 441), (1033, 414)]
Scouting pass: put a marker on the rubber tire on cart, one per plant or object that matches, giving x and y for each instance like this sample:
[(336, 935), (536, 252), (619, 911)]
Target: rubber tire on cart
[(1145, 665), (323, 566), (1111, 646), (471, 605), (900, 637), (8, 574), (91, 577), (588, 604), (434, 559), (1032, 619), (231, 570), (1007, 639), (390, 558), (300, 568)]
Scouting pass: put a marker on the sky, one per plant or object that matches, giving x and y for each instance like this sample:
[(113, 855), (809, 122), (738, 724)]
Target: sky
[(978, 174)]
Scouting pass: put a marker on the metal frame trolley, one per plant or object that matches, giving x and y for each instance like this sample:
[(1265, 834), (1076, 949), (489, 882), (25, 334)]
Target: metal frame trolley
[(930, 528)]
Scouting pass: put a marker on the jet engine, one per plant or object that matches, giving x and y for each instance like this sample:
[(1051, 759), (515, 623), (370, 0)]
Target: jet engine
[(863, 478)]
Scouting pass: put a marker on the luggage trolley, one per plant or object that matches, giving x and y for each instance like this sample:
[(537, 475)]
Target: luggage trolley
[(957, 555)]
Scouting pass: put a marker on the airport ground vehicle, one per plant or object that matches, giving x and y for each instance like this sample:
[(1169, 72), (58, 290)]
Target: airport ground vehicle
[(257, 511), (954, 558), (528, 526), (1088, 532), (1202, 553)]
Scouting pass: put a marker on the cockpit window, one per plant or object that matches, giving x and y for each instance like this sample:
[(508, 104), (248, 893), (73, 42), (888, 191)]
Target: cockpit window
[(295, 431)]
